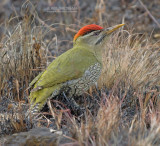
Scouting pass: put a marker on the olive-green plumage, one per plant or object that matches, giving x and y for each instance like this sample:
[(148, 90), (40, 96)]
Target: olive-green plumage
[(69, 66), (78, 68)]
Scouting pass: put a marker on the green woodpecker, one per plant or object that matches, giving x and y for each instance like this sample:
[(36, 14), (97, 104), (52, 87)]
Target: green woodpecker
[(77, 69)]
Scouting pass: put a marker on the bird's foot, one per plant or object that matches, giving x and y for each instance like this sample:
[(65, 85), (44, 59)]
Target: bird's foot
[(72, 104), (76, 108)]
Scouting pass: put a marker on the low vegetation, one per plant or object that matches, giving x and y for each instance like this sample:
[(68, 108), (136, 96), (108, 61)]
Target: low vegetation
[(127, 95)]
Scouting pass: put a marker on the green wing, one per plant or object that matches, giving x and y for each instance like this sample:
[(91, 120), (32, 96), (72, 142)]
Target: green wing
[(70, 65)]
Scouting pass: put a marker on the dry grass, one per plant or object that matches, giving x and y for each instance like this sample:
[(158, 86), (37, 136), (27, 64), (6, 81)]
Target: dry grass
[(107, 127), (131, 59), (131, 77), (23, 55)]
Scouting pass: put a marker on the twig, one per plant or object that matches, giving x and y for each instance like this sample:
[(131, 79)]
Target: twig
[(152, 17), (50, 107)]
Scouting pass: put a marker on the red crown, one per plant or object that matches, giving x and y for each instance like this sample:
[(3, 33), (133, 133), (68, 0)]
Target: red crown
[(87, 29)]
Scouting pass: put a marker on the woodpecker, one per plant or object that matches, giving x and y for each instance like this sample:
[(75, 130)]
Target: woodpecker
[(77, 69)]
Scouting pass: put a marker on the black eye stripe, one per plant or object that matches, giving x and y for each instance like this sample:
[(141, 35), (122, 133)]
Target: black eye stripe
[(88, 32), (97, 32)]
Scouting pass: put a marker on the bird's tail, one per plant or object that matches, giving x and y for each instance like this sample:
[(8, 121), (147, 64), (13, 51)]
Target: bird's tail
[(39, 98)]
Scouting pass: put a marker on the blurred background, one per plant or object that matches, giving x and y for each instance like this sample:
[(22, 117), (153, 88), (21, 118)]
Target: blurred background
[(142, 15)]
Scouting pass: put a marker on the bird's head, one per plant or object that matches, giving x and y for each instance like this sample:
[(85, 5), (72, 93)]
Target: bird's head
[(93, 35)]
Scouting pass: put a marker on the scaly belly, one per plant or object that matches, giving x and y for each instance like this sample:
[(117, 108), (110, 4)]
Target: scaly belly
[(90, 77)]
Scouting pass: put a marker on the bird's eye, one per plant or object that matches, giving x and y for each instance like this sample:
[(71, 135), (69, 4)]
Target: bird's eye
[(97, 33)]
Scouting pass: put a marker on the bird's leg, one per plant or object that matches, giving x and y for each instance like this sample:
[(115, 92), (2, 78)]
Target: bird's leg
[(65, 97), (72, 103)]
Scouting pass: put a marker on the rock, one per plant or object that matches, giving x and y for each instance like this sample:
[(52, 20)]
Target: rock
[(37, 136)]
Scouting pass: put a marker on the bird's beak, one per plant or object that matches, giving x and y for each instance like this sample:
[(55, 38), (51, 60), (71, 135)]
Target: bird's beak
[(111, 29), (108, 31)]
